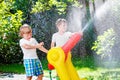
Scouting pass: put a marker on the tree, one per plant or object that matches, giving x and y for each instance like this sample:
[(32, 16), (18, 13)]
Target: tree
[(10, 21), (59, 5)]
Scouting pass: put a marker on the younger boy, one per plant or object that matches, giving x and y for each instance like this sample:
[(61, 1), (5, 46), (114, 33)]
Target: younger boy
[(32, 64)]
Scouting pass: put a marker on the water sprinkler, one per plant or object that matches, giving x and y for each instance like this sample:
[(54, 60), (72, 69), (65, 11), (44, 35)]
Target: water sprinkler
[(60, 58)]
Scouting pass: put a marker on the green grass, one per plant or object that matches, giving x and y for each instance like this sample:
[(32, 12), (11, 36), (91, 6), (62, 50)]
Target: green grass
[(12, 68), (18, 68), (85, 67)]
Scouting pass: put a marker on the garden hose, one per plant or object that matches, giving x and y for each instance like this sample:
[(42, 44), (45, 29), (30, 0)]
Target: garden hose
[(50, 74)]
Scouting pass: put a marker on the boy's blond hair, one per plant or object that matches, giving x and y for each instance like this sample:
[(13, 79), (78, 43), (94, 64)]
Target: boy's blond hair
[(22, 29), (60, 20)]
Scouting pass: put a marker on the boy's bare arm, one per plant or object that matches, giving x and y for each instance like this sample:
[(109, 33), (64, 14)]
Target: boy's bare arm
[(39, 46), (42, 48), (27, 46)]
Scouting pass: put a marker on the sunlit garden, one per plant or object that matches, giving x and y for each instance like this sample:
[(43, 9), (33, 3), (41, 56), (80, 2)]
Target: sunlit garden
[(95, 50)]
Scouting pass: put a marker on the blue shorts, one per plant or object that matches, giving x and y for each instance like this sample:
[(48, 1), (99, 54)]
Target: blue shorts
[(33, 67)]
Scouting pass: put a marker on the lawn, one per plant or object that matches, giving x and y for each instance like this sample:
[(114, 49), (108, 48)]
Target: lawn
[(85, 67), (12, 68)]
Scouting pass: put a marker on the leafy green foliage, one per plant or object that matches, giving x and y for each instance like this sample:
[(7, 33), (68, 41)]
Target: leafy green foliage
[(9, 24), (25, 7), (104, 43), (60, 6)]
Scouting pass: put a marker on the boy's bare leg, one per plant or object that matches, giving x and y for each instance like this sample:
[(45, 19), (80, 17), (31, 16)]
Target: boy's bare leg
[(40, 77), (29, 78)]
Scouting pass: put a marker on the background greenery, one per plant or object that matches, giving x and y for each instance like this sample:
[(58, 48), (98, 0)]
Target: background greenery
[(41, 16)]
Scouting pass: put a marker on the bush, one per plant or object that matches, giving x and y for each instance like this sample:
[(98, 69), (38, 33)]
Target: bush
[(9, 39)]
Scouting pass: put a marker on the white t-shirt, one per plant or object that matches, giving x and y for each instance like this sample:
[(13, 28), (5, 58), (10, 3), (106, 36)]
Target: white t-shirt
[(29, 53), (59, 39)]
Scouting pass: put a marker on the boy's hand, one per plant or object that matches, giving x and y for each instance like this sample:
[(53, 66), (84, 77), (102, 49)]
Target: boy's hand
[(41, 43), (41, 47), (81, 33)]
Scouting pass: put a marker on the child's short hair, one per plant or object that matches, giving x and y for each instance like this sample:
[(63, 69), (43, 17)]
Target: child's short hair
[(22, 29), (60, 20)]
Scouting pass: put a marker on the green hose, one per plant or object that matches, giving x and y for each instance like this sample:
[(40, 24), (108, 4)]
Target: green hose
[(50, 74)]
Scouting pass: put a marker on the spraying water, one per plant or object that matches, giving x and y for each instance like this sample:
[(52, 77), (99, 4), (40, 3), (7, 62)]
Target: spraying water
[(75, 17), (106, 17), (87, 25)]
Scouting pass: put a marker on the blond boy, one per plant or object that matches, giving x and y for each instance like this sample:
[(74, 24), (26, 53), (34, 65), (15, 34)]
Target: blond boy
[(32, 64)]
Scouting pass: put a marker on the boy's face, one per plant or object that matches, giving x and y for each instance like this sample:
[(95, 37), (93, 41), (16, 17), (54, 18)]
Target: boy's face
[(62, 27), (27, 34)]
